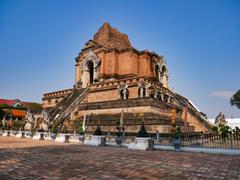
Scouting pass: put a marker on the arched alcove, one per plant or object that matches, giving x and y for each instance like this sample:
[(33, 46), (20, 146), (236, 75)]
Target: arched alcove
[(164, 76), (90, 69)]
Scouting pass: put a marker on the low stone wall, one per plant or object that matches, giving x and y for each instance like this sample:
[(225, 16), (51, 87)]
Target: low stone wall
[(138, 102), (202, 150)]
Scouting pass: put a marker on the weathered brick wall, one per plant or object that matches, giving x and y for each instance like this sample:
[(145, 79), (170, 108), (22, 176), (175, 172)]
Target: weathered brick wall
[(196, 123), (110, 94), (156, 114), (115, 64)]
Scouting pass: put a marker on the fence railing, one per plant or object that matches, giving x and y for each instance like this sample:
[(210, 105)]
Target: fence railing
[(229, 140)]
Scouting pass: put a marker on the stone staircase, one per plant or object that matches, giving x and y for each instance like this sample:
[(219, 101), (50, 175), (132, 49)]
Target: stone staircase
[(64, 108)]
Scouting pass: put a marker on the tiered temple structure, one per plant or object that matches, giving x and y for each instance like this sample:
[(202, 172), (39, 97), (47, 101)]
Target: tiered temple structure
[(115, 82)]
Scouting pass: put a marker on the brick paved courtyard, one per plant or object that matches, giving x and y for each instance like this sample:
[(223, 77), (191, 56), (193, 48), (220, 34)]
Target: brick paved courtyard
[(31, 159)]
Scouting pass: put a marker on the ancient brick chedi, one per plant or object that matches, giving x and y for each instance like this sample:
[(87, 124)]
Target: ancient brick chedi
[(115, 83)]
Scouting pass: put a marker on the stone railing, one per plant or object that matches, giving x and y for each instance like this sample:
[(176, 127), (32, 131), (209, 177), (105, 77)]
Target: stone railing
[(128, 81), (56, 94), (72, 103)]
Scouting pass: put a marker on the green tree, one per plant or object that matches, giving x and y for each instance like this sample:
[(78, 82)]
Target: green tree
[(237, 129), (2, 113), (224, 129), (235, 99), (20, 107), (4, 106), (215, 129), (176, 131), (33, 105)]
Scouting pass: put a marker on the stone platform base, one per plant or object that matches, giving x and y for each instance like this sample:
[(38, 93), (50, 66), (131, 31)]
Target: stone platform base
[(74, 138), (50, 136), (64, 138), (141, 144), (6, 133), (38, 136), (28, 135), (13, 133), (20, 134), (47, 136), (96, 140)]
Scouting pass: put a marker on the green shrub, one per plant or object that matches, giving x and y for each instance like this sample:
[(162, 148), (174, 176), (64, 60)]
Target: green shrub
[(4, 106), (237, 129), (34, 105), (80, 129), (215, 129), (53, 129), (78, 126), (224, 129), (176, 131)]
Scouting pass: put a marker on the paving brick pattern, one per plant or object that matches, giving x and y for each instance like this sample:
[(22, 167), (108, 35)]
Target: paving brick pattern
[(32, 159)]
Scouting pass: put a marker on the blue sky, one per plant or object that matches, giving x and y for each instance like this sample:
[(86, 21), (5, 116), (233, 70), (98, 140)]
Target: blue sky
[(200, 40)]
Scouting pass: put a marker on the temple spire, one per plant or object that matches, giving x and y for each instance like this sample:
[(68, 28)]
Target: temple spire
[(111, 38)]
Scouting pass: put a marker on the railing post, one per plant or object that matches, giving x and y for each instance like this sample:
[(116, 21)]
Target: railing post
[(231, 140), (158, 137), (202, 138)]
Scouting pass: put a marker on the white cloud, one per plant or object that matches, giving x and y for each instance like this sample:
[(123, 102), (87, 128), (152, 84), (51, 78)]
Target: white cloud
[(222, 94)]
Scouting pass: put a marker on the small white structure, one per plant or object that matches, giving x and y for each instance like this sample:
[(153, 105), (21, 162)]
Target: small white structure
[(28, 134), (95, 140), (75, 138), (64, 138), (6, 133), (13, 133), (38, 136), (141, 144), (47, 135), (20, 134)]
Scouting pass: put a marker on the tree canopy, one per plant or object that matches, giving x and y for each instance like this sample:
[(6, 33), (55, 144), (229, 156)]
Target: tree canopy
[(1, 113), (235, 99), (33, 105)]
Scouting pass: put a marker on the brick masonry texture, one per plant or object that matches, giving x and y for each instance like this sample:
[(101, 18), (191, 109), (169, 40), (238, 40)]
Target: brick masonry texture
[(29, 159), (112, 77)]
